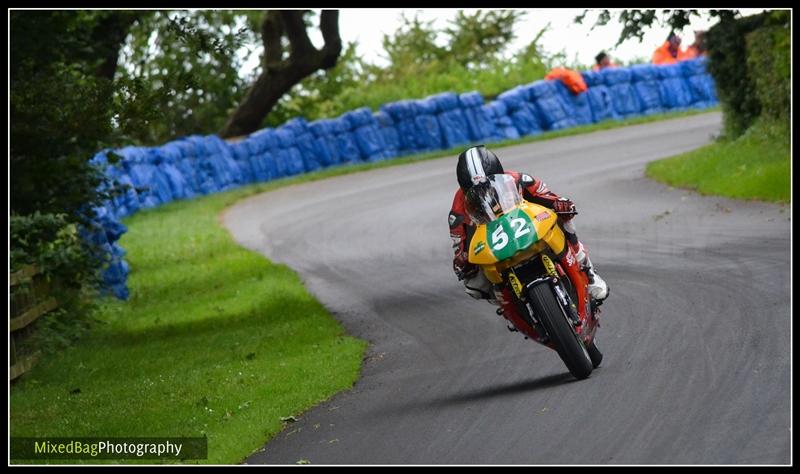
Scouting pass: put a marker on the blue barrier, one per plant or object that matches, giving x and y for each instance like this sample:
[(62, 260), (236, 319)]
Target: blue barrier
[(503, 124), (429, 133), (480, 122), (391, 138), (623, 96), (367, 134), (674, 91), (289, 155), (522, 113), (325, 142), (599, 96), (345, 142), (700, 85), (552, 108), (197, 165), (402, 113), (305, 142), (646, 86), (452, 121), (577, 104)]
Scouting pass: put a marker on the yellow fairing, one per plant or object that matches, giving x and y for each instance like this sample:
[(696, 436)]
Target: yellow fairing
[(548, 233)]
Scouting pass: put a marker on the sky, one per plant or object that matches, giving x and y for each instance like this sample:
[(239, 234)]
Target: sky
[(578, 41)]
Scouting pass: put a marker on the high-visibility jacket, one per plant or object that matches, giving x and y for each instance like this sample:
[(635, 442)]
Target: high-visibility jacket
[(690, 53), (572, 79), (662, 55)]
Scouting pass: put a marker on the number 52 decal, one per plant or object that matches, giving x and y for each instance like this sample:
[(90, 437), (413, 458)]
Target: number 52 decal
[(500, 238)]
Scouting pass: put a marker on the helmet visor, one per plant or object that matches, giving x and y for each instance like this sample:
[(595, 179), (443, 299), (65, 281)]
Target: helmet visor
[(492, 198)]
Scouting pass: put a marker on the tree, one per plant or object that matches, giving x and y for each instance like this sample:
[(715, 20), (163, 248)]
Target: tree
[(63, 105), (192, 62), (63, 108), (282, 70), (481, 37), (414, 43), (636, 22)]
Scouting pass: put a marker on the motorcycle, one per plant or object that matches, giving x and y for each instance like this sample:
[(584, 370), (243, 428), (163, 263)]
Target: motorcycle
[(523, 251)]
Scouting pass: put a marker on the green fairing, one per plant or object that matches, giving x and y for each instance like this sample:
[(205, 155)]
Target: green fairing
[(520, 236)]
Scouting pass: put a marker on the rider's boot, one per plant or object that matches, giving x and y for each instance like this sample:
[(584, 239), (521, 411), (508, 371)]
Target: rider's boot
[(597, 286)]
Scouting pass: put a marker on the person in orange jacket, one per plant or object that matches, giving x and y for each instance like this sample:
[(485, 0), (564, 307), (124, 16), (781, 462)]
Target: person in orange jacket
[(670, 52), (698, 48)]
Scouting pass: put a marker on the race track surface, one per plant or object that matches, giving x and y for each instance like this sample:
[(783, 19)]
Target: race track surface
[(696, 332)]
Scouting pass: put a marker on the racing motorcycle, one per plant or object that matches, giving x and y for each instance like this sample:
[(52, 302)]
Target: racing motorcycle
[(524, 253)]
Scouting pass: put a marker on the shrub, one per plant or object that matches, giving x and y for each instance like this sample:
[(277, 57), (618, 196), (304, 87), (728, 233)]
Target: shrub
[(768, 62), (727, 54)]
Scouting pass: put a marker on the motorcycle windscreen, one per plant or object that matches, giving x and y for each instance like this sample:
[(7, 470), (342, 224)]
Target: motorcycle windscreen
[(489, 200)]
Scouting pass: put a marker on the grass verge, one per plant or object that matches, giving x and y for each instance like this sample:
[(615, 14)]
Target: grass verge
[(215, 340), (753, 166)]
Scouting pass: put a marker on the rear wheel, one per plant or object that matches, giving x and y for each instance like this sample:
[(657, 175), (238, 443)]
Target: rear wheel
[(568, 345)]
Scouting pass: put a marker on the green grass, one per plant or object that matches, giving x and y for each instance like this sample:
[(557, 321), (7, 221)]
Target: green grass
[(215, 340), (753, 166)]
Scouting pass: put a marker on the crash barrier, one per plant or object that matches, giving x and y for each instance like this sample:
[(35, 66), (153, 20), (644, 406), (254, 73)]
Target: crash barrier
[(199, 165)]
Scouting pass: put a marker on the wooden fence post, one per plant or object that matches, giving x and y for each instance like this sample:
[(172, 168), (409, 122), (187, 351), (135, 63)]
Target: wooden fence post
[(27, 305)]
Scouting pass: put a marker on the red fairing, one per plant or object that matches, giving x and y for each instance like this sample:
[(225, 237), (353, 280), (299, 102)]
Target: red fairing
[(580, 281)]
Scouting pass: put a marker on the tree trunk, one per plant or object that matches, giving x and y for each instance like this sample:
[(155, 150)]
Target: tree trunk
[(280, 75), (109, 38)]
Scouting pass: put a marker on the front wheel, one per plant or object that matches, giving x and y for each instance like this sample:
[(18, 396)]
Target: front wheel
[(568, 345), (594, 353)]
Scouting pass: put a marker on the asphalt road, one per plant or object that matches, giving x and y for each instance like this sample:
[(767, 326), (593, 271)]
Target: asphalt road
[(696, 332)]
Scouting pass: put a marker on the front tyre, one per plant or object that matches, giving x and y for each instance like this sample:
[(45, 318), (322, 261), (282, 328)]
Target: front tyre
[(594, 353), (568, 345)]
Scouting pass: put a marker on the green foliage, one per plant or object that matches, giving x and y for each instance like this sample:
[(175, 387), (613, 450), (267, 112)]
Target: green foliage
[(413, 43), (59, 118), (420, 67), (319, 95), (768, 63), (51, 242), (474, 39), (727, 64), (190, 60), (63, 110), (636, 22), (215, 341)]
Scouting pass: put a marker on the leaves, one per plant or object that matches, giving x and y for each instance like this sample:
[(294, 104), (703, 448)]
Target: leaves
[(636, 22), (192, 62)]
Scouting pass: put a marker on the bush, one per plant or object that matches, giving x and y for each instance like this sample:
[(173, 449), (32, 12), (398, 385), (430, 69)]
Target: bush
[(67, 262), (727, 54), (768, 62)]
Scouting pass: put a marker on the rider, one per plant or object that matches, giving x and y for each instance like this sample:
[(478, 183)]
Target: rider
[(474, 165)]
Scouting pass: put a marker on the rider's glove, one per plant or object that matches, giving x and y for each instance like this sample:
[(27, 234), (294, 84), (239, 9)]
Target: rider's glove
[(565, 207), (462, 267)]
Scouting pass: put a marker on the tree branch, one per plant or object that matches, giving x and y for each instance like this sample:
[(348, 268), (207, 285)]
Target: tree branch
[(329, 25), (295, 29), (109, 37), (271, 34)]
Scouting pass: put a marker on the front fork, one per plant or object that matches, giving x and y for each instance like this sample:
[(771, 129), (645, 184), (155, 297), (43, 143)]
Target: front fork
[(518, 310)]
